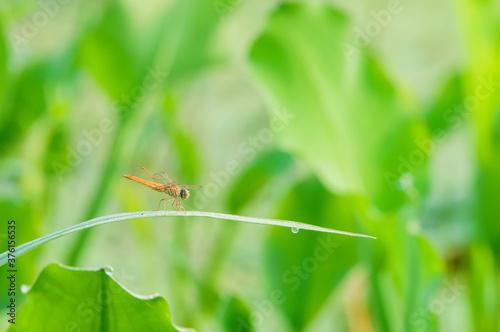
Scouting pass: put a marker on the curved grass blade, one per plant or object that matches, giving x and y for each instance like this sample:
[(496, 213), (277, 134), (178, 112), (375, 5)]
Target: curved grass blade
[(295, 226)]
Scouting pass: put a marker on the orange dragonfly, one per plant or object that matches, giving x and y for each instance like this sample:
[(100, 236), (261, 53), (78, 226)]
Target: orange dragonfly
[(162, 183)]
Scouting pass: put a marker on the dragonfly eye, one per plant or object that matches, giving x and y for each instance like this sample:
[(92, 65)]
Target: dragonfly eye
[(184, 194)]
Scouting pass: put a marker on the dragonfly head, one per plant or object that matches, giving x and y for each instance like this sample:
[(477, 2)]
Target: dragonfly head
[(184, 194)]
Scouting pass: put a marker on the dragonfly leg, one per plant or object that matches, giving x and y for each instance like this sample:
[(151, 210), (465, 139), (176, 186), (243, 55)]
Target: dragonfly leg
[(164, 204), (179, 205)]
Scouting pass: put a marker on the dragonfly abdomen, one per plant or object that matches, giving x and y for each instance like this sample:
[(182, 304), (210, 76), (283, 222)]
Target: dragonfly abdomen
[(150, 184)]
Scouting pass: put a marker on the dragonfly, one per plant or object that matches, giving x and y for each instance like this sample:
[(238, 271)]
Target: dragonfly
[(162, 183)]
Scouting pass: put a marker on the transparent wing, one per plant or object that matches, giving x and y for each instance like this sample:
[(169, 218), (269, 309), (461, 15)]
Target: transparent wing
[(162, 177), (188, 186), (144, 173)]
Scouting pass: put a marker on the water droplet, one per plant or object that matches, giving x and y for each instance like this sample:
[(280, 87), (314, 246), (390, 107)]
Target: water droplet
[(295, 230), (109, 270)]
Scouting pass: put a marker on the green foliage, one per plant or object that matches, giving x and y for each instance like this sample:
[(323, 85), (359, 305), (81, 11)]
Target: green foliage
[(392, 129), (259, 173), (64, 298), (448, 109), (3, 61), (235, 315), (306, 267), (106, 50), (24, 103), (186, 41), (336, 97)]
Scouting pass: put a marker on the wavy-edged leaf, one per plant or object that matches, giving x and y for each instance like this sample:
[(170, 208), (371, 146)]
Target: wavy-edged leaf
[(65, 299)]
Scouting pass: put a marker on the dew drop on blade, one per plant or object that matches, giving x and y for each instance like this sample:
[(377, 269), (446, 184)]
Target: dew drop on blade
[(295, 229)]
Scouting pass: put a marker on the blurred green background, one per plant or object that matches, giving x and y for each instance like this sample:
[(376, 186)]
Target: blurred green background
[(375, 117)]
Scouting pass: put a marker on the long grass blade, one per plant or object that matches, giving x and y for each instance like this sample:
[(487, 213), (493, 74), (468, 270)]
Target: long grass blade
[(24, 248)]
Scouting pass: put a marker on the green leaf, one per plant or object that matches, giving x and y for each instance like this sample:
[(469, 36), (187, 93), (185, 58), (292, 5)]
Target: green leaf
[(423, 276), (303, 269), (187, 154), (482, 285), (56, 149), (235, 315), (27, 224), (3, 61), (24, 103), (65, 299), (448, 109), (488, 174), (350, 124), (266, 167), (482, 38), (187, 35), (107, 51)]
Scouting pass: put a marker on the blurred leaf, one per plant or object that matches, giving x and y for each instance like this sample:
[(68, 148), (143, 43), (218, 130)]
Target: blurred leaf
[(482, 41), (187, 35), (109, 53), (423, 276), (107, 50), (487, 116), (225, 7), (3, 62), (63, 66), (266, 167), (235, 315), (56, 149), (187, 153), (27, 228), (488, 187), (88, 300), (488, 168), (24, 102), (347, 119), (405, 273), (448, 110), (483, 287), (303, 269), (495, 132)]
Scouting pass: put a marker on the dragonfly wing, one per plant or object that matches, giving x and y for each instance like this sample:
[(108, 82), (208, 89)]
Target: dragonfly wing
[(143, 173), (162, 177), (188, 186)]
